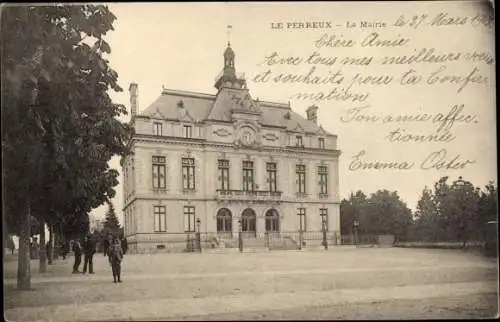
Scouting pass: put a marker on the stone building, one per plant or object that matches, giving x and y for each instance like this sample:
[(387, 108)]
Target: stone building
[(224, 163)]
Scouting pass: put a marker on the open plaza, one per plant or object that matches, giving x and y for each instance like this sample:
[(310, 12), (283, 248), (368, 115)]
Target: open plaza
[(338, 283)]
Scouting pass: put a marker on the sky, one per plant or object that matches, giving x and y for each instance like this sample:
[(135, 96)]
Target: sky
[(180, 46)]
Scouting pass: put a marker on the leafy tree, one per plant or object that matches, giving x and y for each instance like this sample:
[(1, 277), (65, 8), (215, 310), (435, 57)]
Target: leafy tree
[(382, 213), (488, 203), (60, 127), (427, 220), (351, 209), (459, 209), (111, 223), (386, 214)]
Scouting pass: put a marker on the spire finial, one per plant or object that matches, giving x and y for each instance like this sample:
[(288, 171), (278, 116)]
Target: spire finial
[(229, 29)]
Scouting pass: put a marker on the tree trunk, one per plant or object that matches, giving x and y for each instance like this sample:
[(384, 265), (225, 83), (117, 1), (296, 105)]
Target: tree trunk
[(23, 261), (51, 241), (57, 243), (43, 264)]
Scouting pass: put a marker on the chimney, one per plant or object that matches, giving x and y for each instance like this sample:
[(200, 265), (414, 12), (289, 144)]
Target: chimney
[(134, 93), (312, 113)]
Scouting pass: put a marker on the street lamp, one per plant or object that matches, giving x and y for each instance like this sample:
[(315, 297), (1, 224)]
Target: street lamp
[(463, 217), (356, 225), (240, 237), (301, 215), (198, 234), (325, 242)]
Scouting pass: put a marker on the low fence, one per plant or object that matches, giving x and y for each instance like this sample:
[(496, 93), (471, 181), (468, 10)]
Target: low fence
[(285, 240)]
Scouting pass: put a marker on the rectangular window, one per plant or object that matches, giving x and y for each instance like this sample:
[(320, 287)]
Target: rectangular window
[(188, 133), (160, 214), (321, 143), (301, 212), (224, 174), (248, 180), (157, 128), (323, 179), (271, 169), (189, 219), (159, 172), (299, 141), (323, 212), (188, 178), (300, 170)]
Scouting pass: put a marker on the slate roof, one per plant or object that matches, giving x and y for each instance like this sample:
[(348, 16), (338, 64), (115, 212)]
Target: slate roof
[(201, 107)]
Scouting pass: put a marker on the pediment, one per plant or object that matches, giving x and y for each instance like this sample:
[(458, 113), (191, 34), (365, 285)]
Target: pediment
[(321, 131), (185, 116), (299, 128), (158, 115)]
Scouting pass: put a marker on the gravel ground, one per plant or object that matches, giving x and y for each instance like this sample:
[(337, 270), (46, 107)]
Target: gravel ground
[(341, 283), (430, 308)]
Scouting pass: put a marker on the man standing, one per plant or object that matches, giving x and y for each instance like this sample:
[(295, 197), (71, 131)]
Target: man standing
[(106, 244), (124, 244), (88, 252), (115, 256), (77, 250), (11, 244), (64, 248)]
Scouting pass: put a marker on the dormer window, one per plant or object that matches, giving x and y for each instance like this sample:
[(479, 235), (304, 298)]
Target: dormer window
[(299, 141), (321, 143), (157, 128), (188, 131)]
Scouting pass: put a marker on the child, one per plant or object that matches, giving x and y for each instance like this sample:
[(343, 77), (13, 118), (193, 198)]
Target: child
[(115, 256)]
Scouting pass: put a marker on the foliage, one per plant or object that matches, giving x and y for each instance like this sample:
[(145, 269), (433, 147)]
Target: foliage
[(427, 226), (57, 108), (350, 210), (60, 127), (382, 213), (455, 212), (111, 223)]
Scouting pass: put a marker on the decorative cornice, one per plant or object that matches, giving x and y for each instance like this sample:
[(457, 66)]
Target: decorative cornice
[(229, 201), (145, 138)]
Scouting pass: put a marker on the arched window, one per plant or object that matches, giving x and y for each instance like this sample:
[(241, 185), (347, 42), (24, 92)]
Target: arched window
[(272, 221), (224, 220), (248, 221)]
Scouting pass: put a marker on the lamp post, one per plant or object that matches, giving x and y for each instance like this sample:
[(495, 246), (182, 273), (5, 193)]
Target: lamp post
[(301, 229), (240, 237), (198, 234), (462, 217), (355, 226), (325, 242)]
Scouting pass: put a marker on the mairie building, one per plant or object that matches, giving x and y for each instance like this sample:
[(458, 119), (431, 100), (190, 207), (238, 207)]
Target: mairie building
[(227, 163)]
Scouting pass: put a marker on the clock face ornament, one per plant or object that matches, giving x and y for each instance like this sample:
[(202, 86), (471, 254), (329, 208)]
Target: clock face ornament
[(247, 136)]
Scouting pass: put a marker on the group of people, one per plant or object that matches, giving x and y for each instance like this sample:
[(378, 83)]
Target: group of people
[(114, 248)]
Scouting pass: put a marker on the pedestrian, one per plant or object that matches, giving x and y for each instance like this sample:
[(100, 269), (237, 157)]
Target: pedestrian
[(65, 248), (115, 256), (88, 254), (106, 244), (124, 245), (12, 246), (77, 250), (34, 248)]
